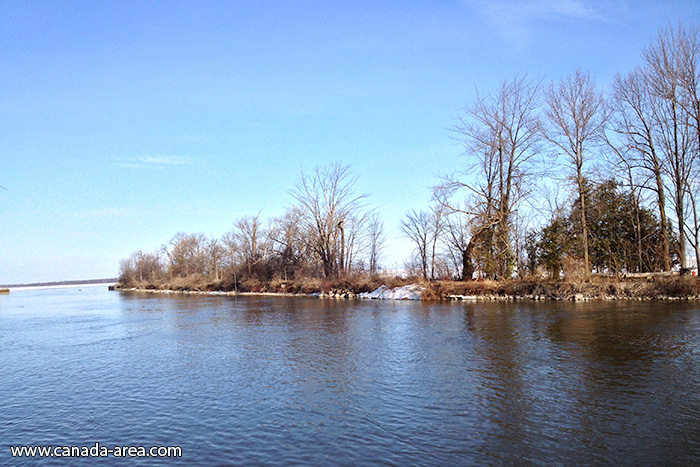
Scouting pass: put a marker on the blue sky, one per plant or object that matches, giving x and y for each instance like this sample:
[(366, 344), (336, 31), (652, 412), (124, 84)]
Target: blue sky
[(122, 123)]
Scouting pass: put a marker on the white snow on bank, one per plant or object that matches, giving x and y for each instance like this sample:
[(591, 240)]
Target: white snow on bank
[(407, 292)]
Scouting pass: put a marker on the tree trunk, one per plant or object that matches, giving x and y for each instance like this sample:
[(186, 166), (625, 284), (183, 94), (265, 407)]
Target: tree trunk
[(342, 248), (681, 228), (432, 265), (584, 227), (664, 221), (467, 268), (640, 267)]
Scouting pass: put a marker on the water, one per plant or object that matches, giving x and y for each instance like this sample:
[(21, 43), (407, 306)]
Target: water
[(298, 381)]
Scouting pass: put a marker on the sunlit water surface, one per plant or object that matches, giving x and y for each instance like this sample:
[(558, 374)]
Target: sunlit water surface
[(302, 381)]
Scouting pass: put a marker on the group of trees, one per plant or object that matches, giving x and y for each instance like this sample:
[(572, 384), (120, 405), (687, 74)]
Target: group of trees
[(329, 232), (629, 161), (623, 235), (528, 137)]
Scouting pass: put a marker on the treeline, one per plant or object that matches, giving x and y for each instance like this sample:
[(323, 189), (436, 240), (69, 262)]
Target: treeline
[(329, 232), (628, 161), (559, 178), (623, 236)]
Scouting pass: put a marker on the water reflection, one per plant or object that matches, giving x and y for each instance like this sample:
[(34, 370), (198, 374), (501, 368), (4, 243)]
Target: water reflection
[(586, 378), (266, 380)]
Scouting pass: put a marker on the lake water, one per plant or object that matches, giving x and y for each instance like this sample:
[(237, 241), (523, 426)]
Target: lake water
[(303, 381)]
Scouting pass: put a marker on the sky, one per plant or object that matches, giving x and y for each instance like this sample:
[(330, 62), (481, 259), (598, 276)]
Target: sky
[(122, 123)]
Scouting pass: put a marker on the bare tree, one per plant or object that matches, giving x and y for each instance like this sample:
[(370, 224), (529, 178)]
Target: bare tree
[(667, 59), (416, 226), (229, 247), (424, 229), (353, 243), (288, 243), (215, 252), (376, 240), (437, 227), (576, 112), (688, 40), (327, 199), (186, 254), (634, 123), (139, 268), (502, 137), (251, 241), (624, 164)]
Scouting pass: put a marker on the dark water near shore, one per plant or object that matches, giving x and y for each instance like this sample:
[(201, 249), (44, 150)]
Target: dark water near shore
[(298, 381)]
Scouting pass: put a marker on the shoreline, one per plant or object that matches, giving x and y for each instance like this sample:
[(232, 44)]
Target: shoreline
[(63, 286), (668, 289), (215, 293)]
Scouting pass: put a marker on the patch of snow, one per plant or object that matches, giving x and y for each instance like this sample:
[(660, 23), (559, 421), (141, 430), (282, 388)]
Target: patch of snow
[(407, 292)]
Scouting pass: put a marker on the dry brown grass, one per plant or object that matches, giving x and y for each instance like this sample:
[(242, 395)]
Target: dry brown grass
[(594, 287)]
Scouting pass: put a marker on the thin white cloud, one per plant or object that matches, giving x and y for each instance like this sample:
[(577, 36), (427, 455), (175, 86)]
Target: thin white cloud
[(536, 9), (152, 162), (514, 19), (563, 9)]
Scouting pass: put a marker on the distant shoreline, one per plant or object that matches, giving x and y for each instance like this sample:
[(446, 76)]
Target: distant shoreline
[(60, 284)]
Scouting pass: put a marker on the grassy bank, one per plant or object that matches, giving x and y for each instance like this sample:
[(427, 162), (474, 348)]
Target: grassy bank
[(596, 288)]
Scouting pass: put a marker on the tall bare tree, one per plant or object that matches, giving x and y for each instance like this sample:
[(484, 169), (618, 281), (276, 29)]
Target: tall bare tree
[(672, 75), (327, 198), (416, 226), (688, 39), (501, 134), (636, 149), (576, 113)]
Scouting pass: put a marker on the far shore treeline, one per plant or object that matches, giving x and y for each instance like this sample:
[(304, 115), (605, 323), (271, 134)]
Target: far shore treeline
[(558, 180)]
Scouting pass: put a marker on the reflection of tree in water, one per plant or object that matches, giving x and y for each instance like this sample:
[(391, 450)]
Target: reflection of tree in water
[(582, 380), (630, 379), (508, 369)]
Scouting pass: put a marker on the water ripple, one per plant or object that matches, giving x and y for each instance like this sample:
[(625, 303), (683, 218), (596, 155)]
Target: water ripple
[(259, 380)]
